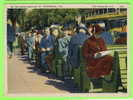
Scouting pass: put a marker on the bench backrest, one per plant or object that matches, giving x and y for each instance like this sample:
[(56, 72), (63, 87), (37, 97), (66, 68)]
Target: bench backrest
[(120, 54)]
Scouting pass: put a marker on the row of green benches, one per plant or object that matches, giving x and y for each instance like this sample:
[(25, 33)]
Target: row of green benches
[(85, 83), (110, 83)]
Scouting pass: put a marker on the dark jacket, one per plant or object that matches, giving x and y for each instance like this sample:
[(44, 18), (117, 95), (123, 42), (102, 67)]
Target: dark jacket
[(10, 33), (73, 53)]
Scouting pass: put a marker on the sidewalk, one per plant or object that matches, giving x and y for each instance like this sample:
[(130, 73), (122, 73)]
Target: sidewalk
[(23, 78)]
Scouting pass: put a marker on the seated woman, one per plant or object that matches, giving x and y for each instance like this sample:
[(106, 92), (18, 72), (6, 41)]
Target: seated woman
[(96, 66)]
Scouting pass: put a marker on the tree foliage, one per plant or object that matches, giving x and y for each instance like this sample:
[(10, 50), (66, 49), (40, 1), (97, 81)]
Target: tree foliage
[(40, 18)]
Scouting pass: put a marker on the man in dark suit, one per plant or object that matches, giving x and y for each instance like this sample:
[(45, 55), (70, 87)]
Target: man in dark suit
[(10, 39)]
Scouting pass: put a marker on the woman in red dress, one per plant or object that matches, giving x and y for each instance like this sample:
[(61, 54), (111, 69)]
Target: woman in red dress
[(96, 67)]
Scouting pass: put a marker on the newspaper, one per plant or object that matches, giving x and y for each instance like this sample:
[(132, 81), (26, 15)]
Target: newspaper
[(102, 54)]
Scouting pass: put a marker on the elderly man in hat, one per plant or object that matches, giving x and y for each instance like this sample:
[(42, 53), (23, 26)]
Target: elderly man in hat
[(76, 41), (55, 35), (107, 37), (30, 44), (46, 46), (38, 38), (63, 49)]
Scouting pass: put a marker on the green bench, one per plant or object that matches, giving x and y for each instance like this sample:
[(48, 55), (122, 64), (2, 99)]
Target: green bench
[(119, 74), (85, 84), (57, 66), (120, 61)]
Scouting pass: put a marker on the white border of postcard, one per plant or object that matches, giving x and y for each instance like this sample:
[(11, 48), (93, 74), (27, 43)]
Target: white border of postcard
[(60, 6)]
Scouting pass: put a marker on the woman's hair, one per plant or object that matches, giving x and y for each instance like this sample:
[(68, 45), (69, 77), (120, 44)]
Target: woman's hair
[(97, 29), (52, 29), (39, 32), (60, 32), (88, 25), (82, 30)]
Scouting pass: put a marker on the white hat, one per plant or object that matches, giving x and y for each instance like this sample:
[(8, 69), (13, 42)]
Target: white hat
[(102, 25), (53, 26), (82, 26)]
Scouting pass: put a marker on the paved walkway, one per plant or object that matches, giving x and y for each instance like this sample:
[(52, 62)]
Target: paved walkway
[(24, 78)]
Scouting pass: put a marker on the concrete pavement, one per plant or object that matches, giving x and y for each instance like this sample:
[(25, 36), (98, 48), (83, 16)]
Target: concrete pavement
[(23, 77)]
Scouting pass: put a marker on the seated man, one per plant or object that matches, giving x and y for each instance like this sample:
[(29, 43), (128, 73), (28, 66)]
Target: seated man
[(77, 40), (30, 43), (38, 38), (46, 46), (63, 49), (107, 37)]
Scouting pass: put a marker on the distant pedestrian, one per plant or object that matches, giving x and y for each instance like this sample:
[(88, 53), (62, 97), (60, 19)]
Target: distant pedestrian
[(10, 39)]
